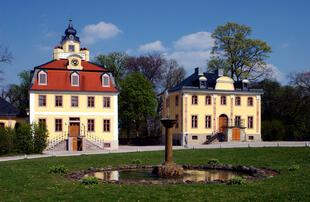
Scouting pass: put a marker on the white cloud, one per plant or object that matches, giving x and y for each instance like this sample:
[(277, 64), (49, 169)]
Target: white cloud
[(102, 30), (195, 41), (153, 46), (191, 59), (276, 74)]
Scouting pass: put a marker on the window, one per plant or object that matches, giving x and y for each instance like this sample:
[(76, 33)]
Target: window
[(194, 100), (2, 125), (42, 123), (71, 48), (237, 121), (176, 100), (223, 100), (106, 102), (91, 125), (106, 145), (177, 123), (42, 100), (105, 81), (58, 125), (208, 121), (91, 101), (106, 125), (42, 78), (238, 101), (250, 122), (194, 137), (208, 100), (75, 79), (74, 101), (58, 101), (250, 101), (194, 121), (251, 137)]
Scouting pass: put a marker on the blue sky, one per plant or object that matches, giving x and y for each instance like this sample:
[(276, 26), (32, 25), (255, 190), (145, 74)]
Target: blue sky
[(178, 29)]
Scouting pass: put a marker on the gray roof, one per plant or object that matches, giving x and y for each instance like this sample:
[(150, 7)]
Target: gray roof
[(8, 110)]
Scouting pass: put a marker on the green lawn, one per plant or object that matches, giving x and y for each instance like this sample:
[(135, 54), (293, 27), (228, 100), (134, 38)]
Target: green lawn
[(29, 180)]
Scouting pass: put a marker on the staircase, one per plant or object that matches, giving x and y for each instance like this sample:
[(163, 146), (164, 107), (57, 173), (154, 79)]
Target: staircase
[(214, 137), (56, 140), (97, 141)]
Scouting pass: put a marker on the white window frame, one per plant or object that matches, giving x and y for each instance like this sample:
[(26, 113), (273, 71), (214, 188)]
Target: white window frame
[(39, 80), (78, 79), (103, 77)]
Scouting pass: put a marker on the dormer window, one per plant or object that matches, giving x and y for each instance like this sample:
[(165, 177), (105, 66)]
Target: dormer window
[(42, 78), (71, 48), (75, 81), (105, 80)]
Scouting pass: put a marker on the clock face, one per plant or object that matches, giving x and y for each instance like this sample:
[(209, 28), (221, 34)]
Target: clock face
[(74, 62), (70, 36)]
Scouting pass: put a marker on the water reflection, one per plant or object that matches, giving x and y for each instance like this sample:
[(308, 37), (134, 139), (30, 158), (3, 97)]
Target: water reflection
[(146, 174)]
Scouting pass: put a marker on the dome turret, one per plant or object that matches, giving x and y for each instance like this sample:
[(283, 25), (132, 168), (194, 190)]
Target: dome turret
[(70, 34)]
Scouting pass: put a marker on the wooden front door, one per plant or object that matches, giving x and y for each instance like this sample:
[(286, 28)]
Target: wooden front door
[(74, 129), (74, 143), (236, 134), (222, 122)]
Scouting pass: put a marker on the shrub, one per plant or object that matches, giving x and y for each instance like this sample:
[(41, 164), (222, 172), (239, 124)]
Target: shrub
[(6, 140), (213, 161), (59, 169), (90, 180), (237, 180), (137, 161), (24, 141), (293, 168), (39, 139)]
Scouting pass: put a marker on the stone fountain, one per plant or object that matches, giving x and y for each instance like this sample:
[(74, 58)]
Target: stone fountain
[(168, 168)]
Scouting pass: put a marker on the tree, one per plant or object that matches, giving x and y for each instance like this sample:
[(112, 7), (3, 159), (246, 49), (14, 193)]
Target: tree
[(301, 79), (5, 55), (114, 62), (175, 74), (239, 56), (18, 94), (137, 101), (152, 66)]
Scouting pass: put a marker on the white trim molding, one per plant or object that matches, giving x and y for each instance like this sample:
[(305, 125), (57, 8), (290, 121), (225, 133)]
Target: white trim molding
[(115, 117), (74, 113)]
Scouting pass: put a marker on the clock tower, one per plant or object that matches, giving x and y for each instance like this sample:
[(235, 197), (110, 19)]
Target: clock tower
[(70, 46)]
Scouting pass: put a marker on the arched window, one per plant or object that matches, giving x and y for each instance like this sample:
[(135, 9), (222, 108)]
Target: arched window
[(105, 80), (42, 78), (75, 80)]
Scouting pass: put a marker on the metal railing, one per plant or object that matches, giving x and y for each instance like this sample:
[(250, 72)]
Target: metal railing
[(55, 140), (238, 123)]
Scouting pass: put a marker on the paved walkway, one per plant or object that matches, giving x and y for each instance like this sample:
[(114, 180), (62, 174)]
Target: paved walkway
[(125, 149)]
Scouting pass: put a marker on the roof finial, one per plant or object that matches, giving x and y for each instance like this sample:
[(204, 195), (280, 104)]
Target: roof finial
[(70, 22)]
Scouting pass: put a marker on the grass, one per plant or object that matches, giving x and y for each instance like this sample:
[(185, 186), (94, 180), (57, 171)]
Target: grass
[(29, 179)]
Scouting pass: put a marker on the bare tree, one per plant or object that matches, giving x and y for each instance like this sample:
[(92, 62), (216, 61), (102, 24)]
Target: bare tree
[(301, 79), (5, 55)]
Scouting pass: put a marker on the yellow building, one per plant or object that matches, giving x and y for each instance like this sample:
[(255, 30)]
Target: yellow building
[(10, 116), (75, 99), (211, 107)]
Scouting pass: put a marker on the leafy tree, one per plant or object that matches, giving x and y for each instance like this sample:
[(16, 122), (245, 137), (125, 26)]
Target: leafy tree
[(18, 94), (114, 62), (137, 101), (273, 130), (39, 138), (239, 56), (24, 141)]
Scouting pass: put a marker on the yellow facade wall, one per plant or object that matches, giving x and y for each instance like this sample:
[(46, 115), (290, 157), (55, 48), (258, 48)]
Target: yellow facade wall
[(11, 121), (201, 110), (50, 112)]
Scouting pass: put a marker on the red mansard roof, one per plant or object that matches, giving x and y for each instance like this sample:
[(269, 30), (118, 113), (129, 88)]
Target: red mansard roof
[(58, 78)]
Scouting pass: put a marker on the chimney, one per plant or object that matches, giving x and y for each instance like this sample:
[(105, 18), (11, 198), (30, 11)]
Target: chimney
[(199, 71)]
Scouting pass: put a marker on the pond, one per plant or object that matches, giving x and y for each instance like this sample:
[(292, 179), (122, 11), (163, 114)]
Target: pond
[(193, 175)]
